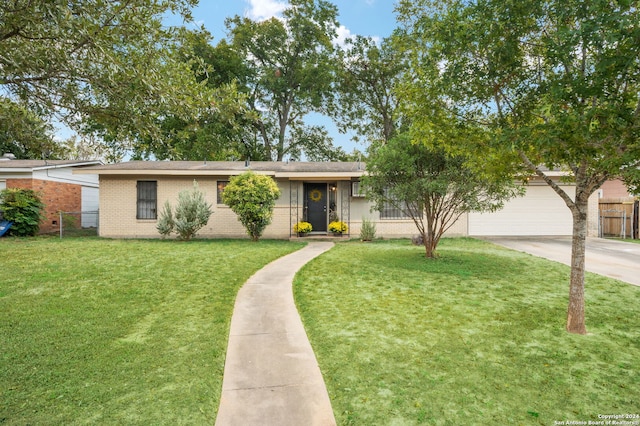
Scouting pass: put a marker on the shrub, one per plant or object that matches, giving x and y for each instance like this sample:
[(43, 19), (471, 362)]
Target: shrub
[(252, 197), (302, 228), (166, 224), (191, 214), (338, 227), (24, 208), (367, 230)]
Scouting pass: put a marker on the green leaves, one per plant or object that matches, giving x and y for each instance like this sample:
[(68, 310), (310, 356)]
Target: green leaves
[(367, 79), (98, 65), (25, 134), (557, 79), (191, 213), (290, 72), (430, 186), (252, 197), (24, 208)]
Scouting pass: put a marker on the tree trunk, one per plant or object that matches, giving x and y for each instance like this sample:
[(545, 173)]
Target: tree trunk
[(575, 311), (429, 253), (428, 240)]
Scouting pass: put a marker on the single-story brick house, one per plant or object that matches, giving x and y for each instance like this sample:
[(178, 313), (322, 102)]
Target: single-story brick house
[(132, 194), (59, 188)]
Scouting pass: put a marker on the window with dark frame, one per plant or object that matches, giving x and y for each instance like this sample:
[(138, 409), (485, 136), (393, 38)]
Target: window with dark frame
[(222, 184), (389, 211), (147, 199)]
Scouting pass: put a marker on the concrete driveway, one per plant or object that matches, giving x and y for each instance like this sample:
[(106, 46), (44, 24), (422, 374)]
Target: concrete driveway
[(615, 259)]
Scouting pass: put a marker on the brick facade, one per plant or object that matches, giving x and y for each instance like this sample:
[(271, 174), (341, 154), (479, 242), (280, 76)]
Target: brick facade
[(614, 189), (118, 210), (56, 196)]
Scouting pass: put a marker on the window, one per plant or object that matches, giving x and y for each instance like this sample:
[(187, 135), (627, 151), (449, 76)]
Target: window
[(222, 184), (356, 189), (389, 211), (147, 199)]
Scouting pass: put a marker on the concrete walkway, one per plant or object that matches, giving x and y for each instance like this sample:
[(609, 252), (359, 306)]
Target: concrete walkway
[(271, 376)]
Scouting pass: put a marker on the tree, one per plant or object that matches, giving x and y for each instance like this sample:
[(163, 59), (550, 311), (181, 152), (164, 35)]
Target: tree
[(291, 74), (431, 187), (556, 81), (367, 79), (103, 67), (82, 147), (222, 132), (25, 134), (191, 213), (252, 197), (24, 208)]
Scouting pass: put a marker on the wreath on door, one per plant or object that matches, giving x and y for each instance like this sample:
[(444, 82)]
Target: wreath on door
[(315, 195)]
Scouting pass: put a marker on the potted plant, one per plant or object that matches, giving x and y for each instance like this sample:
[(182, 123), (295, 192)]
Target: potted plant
[(338, 227), (302, 228)]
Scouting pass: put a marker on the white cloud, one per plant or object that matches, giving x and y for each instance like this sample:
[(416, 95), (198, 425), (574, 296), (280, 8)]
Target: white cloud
[(261, 10), (343, 34)]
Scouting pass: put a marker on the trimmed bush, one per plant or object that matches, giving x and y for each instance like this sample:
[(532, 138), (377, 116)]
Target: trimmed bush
[(252, 197)]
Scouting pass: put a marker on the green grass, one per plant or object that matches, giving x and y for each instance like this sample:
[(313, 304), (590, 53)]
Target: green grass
[(97, 331), (626, 240), (475, 337)]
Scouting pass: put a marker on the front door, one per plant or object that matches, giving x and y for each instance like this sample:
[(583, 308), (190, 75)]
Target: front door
[(316, 204)]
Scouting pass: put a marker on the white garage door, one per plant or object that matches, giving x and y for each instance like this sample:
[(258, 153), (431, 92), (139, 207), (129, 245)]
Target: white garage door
[(540, 212)]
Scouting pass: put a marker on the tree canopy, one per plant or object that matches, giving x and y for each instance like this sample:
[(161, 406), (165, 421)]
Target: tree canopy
[(367, 81), (430, 186), (290, 75), (25, 134), (98, 66), (557, 83)]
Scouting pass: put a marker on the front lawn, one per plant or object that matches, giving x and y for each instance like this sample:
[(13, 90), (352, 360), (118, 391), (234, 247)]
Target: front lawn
[(97, 331), (475, 337)]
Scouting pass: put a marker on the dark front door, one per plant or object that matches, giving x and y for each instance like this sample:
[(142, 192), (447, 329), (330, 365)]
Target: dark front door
[(316, 204)]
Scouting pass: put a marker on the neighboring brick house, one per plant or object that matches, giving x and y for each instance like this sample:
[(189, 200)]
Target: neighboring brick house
[(133, 193), (58, 188), (615, 188)]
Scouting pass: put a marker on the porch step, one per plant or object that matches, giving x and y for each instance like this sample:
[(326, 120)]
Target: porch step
[(320, 237)]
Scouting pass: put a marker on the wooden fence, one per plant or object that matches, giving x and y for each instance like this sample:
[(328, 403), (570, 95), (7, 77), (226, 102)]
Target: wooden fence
[(618, 218)]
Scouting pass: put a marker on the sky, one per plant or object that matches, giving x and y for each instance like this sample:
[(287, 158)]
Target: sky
[(373, 18)]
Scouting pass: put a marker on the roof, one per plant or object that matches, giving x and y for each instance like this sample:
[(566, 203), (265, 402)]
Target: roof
[(291, 169), (33, 165)]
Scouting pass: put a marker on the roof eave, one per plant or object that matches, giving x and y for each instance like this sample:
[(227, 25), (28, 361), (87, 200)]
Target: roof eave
[(167, 172), (320, 175)]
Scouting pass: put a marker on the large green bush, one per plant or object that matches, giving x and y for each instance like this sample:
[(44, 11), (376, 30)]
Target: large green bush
[(24, 208), (252, 197)]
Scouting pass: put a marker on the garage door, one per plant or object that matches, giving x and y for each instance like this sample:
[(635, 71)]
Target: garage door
[(540, 212)]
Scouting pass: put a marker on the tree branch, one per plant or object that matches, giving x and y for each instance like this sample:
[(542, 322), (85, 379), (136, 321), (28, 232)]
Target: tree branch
[(565, 197)]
